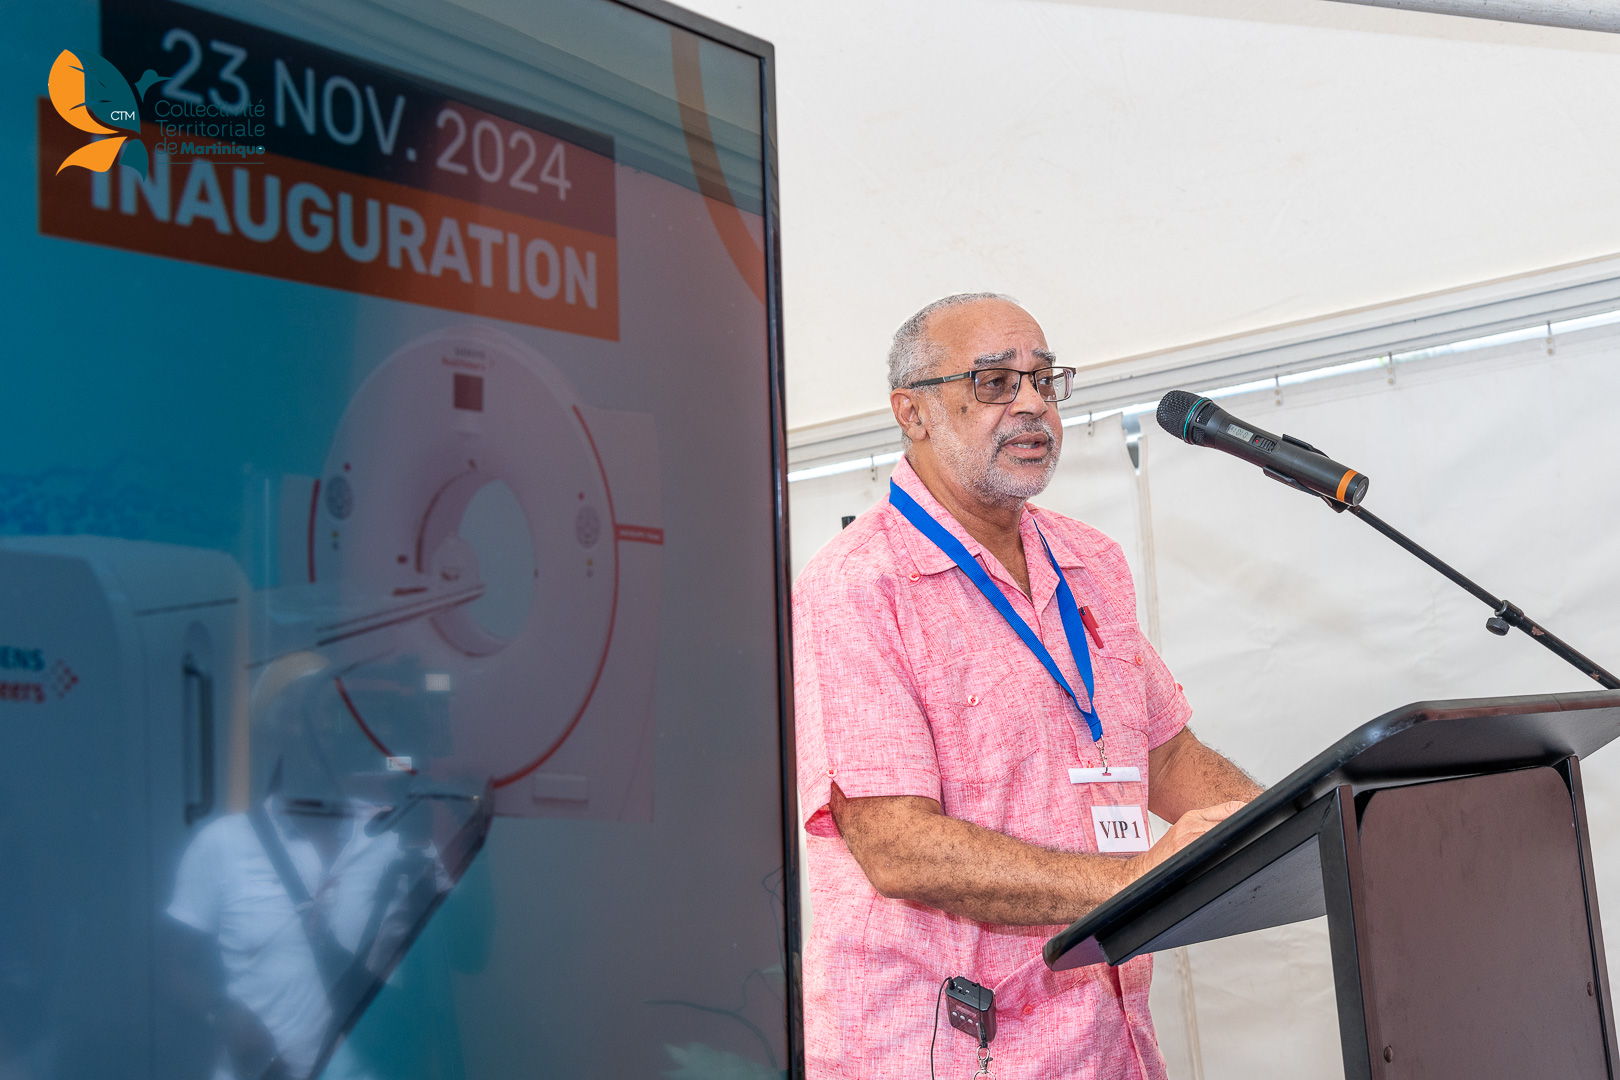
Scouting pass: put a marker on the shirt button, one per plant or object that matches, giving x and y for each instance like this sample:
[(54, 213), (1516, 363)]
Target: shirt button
[(914, 576), (1137, 661), (1028, 1009), (973, 699)]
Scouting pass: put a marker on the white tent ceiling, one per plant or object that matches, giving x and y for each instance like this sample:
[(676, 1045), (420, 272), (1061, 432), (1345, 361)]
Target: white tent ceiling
[(1149, 173)]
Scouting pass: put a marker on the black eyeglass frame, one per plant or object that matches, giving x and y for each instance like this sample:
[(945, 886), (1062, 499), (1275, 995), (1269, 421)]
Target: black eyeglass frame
[(1018, 382)]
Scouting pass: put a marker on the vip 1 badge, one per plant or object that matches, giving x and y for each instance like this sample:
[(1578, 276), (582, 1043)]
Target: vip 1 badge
[(1119, 828)]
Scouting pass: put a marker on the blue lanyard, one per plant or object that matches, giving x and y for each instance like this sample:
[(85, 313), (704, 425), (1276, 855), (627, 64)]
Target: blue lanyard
[(1073, 627)]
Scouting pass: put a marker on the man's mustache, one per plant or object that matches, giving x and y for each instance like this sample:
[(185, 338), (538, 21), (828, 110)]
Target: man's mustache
[(1034, 427)]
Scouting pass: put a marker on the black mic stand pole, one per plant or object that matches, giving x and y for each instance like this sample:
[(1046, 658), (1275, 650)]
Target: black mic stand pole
[(1506, 614)]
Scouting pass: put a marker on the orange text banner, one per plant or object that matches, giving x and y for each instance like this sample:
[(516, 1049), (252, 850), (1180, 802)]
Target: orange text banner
[(297, 221)]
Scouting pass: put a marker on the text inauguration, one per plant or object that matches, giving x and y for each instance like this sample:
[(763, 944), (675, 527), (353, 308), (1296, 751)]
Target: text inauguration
[(255, 204), (307, 222)]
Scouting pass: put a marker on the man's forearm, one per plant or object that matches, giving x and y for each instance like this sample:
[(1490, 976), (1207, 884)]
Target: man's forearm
[(912, 851), (990, 877), (1186, 775)]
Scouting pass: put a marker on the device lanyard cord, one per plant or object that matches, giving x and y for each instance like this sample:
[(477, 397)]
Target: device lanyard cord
[(1073, 625)]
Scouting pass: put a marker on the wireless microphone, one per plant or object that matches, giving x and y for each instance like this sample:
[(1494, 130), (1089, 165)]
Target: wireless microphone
[(1201, 422), (971, 1008)]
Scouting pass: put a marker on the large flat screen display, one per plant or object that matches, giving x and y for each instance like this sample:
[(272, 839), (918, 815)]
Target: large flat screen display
[(391, 571)]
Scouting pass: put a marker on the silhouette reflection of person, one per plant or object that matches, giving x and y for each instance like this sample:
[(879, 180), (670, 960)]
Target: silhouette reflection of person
[(293, 910)]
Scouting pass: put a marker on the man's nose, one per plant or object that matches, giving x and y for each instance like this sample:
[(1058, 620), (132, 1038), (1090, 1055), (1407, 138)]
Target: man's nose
[(1028, 399)]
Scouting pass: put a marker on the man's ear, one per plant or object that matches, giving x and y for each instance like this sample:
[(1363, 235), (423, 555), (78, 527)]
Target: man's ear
[(907, 414)]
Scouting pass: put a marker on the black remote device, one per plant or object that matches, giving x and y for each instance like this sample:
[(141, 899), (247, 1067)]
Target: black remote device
[(971, 1008)]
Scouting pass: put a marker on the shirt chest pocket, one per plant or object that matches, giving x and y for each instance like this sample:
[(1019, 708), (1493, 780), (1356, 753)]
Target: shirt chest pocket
[(986, 724), (1120, 671)]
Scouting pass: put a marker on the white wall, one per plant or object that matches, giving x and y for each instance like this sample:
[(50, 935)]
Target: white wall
[(1149, 173)]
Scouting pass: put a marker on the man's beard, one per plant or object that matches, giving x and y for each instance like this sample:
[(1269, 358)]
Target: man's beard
[(981, 471)]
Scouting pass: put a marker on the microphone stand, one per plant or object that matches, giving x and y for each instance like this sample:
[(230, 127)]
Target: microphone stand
[(1506, 615)]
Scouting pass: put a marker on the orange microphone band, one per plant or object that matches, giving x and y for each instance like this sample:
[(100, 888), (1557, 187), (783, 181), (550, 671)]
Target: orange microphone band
[(1344, 483)]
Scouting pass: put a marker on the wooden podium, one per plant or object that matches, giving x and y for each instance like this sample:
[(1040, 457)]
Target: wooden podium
[(1447, 844)]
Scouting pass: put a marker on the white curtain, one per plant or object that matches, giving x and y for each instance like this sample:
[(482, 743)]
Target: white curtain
[(1289, 624)]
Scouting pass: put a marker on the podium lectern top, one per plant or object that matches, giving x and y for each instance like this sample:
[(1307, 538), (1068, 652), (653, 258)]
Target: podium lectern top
[(1261, 867)]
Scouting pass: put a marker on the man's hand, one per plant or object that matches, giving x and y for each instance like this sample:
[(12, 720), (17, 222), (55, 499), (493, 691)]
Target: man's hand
[(1188, 827)]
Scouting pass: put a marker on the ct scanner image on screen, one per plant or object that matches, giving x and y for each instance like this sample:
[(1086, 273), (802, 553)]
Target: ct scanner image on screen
[(491, 525)]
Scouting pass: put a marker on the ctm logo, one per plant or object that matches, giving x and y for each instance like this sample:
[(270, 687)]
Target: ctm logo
[(94, 97)]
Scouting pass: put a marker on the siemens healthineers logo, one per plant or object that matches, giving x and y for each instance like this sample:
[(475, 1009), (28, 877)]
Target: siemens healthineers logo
[(48, 681), (94, 97), (22, 659)]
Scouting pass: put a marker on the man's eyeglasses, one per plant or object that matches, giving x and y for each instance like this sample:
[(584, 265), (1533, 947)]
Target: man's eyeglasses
[(1000, 385)]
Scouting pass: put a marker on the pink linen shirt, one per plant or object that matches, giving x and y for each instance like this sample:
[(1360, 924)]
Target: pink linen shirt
[(908, 682)]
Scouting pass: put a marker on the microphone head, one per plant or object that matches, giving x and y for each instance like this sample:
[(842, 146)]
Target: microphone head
[(1174, 409)]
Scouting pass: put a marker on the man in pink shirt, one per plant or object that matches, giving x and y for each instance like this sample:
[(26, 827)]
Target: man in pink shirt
[(953, 789)]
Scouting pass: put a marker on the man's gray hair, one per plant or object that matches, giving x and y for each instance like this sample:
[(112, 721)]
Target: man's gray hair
[(912, 354)]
